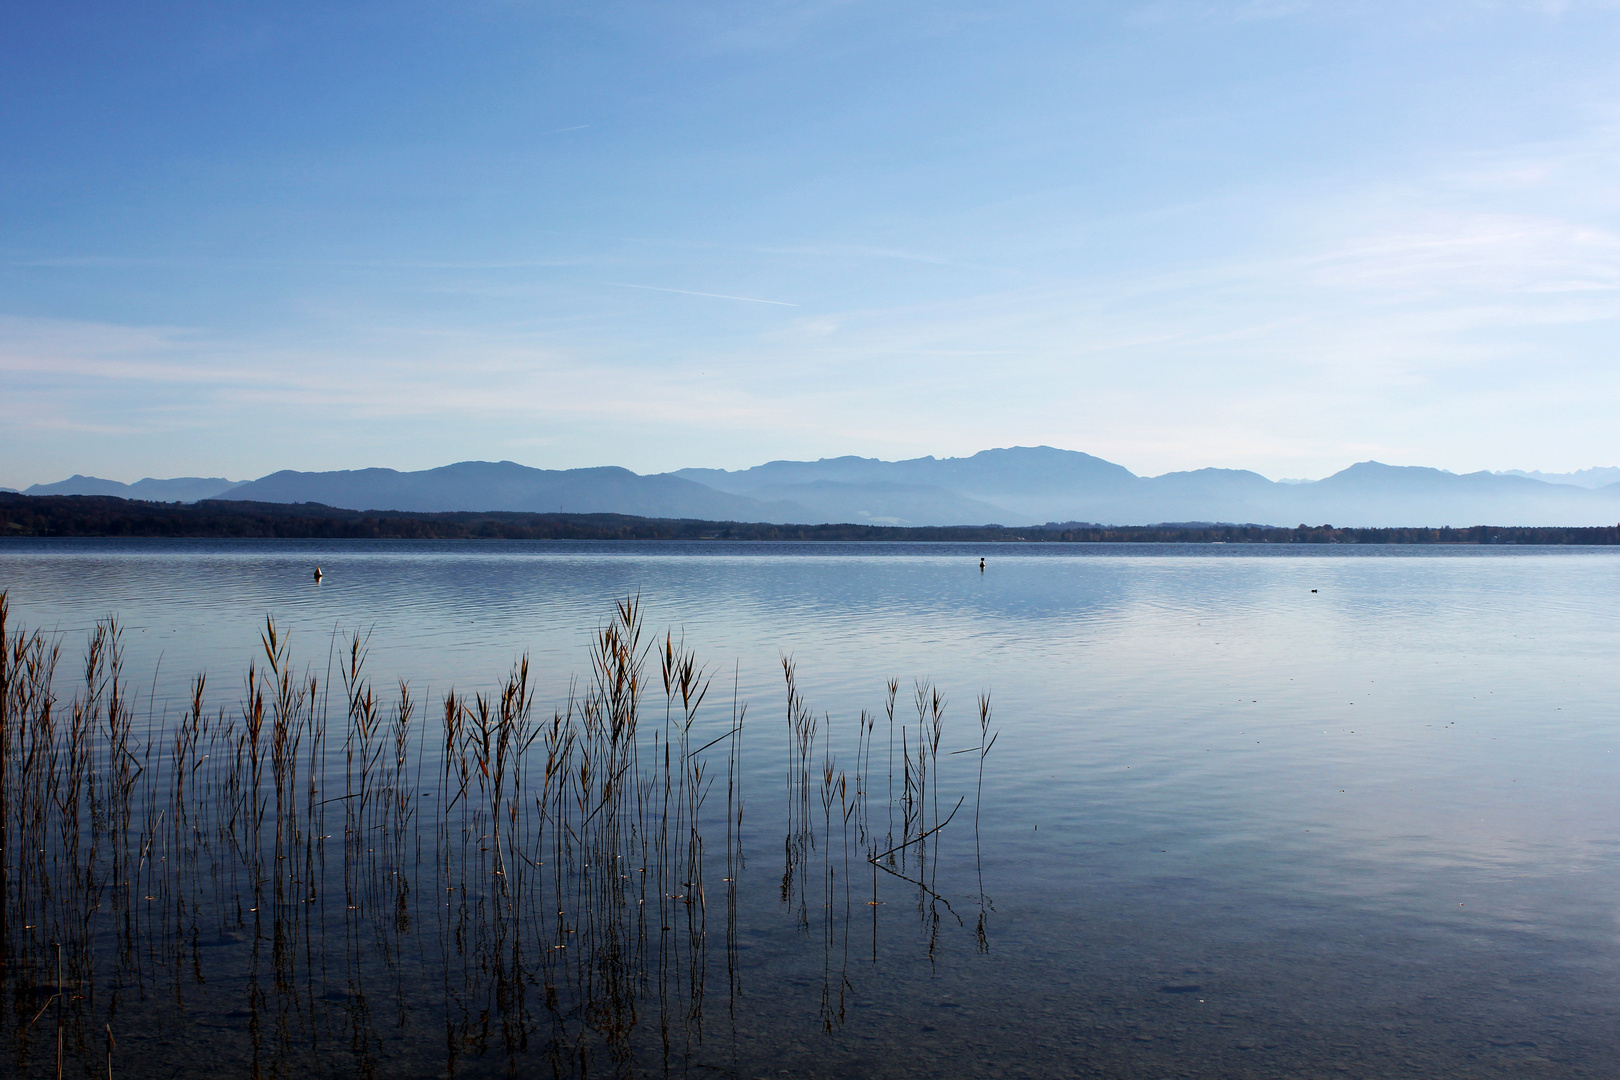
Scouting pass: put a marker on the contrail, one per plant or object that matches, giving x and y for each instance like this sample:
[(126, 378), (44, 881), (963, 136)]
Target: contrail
[(559, 131), (689, 292)]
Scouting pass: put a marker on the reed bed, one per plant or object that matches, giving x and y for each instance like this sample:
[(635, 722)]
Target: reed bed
[(301, 876), (847, 814)]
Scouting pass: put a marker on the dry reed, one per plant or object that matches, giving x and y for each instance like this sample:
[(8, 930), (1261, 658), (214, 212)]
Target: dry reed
[(540, 885)]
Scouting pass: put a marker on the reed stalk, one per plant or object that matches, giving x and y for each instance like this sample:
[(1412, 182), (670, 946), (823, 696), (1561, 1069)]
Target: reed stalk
[(552, 876)]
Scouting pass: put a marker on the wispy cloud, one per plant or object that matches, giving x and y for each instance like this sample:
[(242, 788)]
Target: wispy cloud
[(691, 292)]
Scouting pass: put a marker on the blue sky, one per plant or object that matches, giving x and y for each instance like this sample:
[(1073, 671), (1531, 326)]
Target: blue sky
[(1260, 234)]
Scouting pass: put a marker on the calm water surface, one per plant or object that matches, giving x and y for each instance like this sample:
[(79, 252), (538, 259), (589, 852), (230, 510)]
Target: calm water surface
[(1253, 812)]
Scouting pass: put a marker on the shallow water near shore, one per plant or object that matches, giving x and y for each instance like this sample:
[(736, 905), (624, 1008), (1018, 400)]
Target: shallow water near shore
[(1252, 811)]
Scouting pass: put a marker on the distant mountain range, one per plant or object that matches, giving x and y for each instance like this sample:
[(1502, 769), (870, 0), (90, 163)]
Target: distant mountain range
[(506, 485), (1013, 486), (1587, 478), (180, 489), (1025, 485)]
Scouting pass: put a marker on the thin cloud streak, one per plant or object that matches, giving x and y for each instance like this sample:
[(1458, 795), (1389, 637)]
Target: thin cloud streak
[(691, 292)]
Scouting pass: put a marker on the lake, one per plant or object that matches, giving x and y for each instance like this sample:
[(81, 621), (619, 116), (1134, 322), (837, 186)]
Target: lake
[(1251, 811)]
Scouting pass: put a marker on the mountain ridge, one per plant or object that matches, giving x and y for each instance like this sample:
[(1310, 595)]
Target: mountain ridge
[(1015, 486), (508, 486), (176, 489)]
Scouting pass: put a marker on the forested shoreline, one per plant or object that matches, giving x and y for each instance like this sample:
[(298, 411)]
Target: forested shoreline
[(108, 516)]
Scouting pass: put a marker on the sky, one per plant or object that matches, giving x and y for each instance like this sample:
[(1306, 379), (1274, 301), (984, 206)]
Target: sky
[(1270, 234)]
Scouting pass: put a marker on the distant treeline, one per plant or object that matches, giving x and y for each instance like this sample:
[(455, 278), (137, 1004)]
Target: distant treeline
[(1206, 533), (97, 515)]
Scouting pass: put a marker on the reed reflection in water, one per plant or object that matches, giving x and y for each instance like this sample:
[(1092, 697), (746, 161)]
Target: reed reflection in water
[(253, 890)]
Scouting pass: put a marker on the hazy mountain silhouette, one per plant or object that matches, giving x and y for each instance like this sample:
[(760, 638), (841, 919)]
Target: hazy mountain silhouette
[(1010, 486), (1375, 493), (179, 489), (1602, 476), (1015, 485), (878, 502), (989, 473), (1031, 485), (506, 485)]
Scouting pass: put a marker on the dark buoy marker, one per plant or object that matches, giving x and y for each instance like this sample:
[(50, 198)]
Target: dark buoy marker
[(981, 566), (318, 575)]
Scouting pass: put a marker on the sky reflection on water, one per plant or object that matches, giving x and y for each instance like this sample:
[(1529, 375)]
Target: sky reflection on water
[(1375, 823)]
